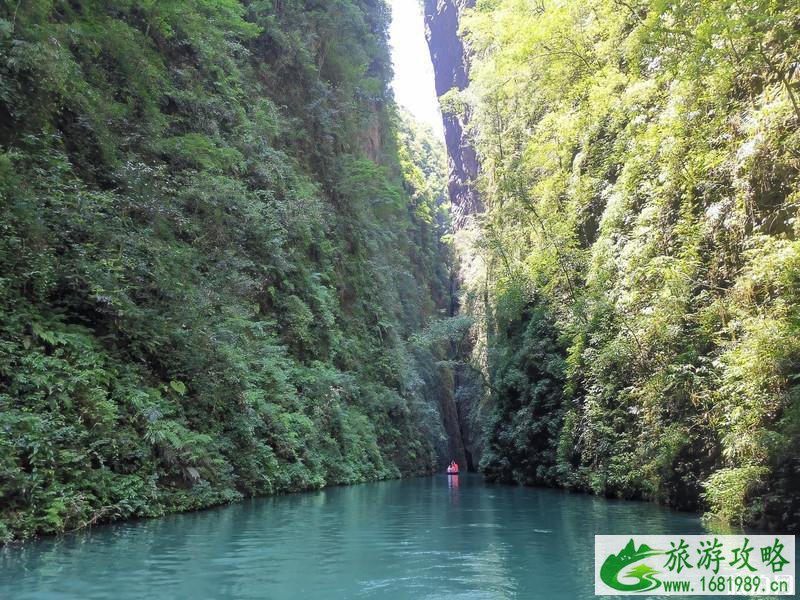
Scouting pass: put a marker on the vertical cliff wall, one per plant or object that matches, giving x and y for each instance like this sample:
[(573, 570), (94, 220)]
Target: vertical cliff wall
[(451, 71), (451, 68), (215, 247)]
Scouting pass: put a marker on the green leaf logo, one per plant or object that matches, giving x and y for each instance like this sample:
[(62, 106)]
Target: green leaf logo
[(643, 574)]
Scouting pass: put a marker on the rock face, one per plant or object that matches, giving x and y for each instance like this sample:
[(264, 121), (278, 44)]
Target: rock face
[(451, 418), (451, 71)]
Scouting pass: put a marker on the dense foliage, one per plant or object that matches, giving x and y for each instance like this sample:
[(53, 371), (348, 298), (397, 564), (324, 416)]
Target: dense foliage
[(212, 257), (639, 264)]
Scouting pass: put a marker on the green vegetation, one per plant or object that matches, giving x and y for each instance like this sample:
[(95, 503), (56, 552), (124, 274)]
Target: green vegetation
[(213, 257), (639, 256), (224, 255)]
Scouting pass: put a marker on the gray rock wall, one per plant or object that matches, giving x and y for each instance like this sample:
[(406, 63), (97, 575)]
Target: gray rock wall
[(451, 70)]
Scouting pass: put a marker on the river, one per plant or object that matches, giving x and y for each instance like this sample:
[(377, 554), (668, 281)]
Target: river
[(429, 537)]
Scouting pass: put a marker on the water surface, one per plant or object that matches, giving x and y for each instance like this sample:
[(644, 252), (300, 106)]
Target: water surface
[(417, 538)]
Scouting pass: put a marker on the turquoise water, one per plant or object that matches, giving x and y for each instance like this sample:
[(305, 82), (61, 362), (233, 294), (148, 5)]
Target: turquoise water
[(416, 538)]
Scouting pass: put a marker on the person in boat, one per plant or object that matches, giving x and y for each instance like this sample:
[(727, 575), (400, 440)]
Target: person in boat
[(453, 468)]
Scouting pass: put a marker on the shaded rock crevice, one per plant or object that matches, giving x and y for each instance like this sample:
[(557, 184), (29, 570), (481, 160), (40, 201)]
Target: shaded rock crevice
[(450, 59)]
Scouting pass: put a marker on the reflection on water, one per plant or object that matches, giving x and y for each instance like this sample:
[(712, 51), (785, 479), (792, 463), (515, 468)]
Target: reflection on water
[(435, 537), (452, 483)]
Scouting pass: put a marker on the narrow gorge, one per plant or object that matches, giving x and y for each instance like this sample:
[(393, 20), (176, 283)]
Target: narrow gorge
[(399, 299), (232, 266)]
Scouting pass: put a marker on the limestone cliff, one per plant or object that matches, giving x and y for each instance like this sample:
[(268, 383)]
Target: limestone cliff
[(451, 70)]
